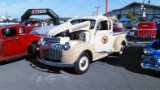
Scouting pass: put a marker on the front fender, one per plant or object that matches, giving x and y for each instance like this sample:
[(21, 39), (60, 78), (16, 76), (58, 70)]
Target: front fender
[(71, 55)]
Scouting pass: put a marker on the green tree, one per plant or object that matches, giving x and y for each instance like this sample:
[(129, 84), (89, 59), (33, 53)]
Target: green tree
[(131, 15)]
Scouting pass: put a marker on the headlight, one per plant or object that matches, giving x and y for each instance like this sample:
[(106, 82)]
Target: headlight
[(66, 46), (147, 51), (40, 41)]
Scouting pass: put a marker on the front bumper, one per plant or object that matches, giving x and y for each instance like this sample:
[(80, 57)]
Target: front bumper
[(150, 66), (56, 64)]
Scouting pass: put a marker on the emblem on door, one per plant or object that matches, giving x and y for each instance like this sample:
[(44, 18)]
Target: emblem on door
[(104, 39)]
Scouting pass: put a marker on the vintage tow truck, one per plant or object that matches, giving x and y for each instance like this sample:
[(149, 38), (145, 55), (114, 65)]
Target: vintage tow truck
[(16, 41), (80, 41)]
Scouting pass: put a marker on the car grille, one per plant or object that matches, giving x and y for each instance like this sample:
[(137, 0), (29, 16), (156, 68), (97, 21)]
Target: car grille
[(51, 51), (148, 59)]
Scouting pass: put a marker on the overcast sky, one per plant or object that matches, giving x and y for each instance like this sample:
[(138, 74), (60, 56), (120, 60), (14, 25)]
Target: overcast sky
[(64, 8)]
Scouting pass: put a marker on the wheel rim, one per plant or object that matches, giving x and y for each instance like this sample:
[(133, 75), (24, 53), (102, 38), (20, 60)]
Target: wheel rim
[(121, 49), (83, 63)]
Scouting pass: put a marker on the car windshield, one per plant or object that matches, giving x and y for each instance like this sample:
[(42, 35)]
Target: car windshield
[(73, 22)]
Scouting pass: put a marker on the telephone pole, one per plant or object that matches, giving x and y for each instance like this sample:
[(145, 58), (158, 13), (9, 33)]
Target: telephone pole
[(106, 8), (97, 9)]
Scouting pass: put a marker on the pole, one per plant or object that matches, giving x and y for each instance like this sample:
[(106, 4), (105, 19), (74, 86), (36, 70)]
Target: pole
[(106, 8), (97, 8), (142, 10)]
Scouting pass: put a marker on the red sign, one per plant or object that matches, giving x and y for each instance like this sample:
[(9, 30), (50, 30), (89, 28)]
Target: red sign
[(38, 11)]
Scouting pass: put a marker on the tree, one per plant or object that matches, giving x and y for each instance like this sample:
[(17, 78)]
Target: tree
[(131, 15)]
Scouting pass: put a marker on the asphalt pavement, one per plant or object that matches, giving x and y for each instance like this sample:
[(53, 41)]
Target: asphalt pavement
[(110, 73)]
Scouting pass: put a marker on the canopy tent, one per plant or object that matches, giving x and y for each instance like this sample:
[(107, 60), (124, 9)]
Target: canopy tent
[(124, 19)]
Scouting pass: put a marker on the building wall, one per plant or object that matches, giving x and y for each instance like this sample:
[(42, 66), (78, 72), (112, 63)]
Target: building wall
[(151, 12)]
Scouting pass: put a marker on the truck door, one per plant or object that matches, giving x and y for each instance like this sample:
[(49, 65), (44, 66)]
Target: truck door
[(1, 47), (23, 38), (11, 42), (103, 36)]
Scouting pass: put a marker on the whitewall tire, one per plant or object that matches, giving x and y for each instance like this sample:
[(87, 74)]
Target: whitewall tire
[(82, 63)]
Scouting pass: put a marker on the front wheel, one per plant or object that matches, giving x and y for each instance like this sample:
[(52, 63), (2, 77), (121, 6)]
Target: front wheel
[(82, 63), (33, 48)]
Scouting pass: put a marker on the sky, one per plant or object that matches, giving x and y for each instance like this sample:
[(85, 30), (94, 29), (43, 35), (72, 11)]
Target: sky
[(64, 8)]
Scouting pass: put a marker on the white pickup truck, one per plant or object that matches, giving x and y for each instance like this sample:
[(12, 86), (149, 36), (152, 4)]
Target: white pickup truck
[(80, 41)]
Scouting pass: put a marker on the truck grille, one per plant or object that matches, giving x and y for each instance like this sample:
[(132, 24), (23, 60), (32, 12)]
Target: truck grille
[(51, 50)]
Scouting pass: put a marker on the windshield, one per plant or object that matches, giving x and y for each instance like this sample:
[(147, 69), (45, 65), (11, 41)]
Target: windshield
[(92, 22)]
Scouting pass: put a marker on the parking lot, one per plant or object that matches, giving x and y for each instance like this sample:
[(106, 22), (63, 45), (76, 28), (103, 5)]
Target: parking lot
[(122, 73)]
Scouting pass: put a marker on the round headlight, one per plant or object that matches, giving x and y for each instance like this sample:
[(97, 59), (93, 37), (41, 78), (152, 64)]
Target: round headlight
[(40, 41), (66, 46), (147, 51)]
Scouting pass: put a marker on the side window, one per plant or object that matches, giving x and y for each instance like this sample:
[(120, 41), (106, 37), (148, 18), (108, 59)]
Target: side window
[(21, 31), (104, 25), (7, 32)]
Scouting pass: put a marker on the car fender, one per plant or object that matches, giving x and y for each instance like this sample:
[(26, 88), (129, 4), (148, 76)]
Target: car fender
[(117, 42), (71, 55)]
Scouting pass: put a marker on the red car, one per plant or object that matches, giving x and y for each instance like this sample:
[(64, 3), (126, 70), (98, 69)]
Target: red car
[(17, 41)]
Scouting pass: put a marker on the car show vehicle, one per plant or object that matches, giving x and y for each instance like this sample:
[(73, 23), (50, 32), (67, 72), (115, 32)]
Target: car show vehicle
[(151, 56), (147, 29), (16, 41), (80, 41)]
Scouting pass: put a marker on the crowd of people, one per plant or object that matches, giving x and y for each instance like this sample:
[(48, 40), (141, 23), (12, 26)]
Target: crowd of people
[(38, 23)]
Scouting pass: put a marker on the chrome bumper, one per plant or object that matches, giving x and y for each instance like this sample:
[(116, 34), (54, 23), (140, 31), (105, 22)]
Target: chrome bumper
[(56, 64), (150, 66)]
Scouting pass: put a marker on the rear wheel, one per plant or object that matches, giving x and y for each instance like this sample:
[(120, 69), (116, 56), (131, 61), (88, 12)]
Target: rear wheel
[(120, 52), (82, 63)]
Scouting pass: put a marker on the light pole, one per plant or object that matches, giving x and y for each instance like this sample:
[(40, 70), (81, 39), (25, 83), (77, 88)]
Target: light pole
[(143, 13), (143, 8)]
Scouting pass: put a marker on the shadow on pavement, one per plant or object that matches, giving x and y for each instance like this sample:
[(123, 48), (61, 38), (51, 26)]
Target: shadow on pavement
[(45, 68), (131, 60)]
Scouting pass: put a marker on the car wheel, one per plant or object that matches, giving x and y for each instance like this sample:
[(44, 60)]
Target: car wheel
[(82, 63), (33, 48), (121, 49)]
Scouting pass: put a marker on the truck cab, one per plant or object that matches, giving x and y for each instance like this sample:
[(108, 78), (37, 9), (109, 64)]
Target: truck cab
[(15, 41), (80, 41)]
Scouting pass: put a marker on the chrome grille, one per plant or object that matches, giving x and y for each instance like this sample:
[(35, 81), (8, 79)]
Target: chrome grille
[(51, 50), (55, 52)]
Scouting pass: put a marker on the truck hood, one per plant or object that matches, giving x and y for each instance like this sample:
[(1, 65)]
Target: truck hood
[(68, 26)]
